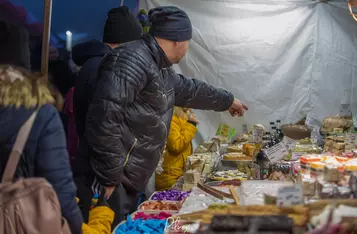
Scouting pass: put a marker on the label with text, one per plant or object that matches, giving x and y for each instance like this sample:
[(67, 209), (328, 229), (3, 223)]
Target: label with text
[(277, 152), (289, 196)]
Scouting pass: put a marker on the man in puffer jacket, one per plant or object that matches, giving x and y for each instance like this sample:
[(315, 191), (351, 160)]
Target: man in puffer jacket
[(121, 27), (128, 120)]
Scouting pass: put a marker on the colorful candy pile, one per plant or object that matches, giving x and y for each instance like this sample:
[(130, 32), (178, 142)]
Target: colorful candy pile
[(152, 226), (160, 216), (159, 205), (170, 195)]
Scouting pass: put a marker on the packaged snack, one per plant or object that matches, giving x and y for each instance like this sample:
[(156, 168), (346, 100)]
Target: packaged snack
[(332, 173), (308, 186), (317, 169)]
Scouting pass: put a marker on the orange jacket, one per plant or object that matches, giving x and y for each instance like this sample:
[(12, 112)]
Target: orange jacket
[(178, 149)]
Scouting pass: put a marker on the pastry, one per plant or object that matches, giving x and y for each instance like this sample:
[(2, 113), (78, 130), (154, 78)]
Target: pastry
[(236, 157)]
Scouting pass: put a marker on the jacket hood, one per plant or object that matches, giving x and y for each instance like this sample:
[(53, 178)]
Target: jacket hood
[(82, 52), (11, 119)]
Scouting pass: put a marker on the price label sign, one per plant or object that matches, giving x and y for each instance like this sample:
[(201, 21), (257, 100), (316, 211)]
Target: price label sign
[(289, 196), (277, 152), (289, 143)]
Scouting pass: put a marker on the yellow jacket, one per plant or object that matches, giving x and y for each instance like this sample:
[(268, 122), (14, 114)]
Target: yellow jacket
[(178, 148), (100, 221)]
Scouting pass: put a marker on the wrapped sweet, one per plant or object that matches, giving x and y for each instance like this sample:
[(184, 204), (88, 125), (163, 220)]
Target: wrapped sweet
[(159, 205), (159, 216), (170, 195), (332, 173), (308, 186), (141, 226)]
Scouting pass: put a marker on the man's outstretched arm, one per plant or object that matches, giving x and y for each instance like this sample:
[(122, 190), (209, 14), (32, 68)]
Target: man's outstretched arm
[(196, 94)]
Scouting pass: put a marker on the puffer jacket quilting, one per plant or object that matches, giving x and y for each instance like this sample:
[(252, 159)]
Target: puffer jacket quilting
[(128, 119)]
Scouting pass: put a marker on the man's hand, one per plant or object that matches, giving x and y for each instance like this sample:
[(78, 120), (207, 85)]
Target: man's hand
[(237, 108), (193, 118), (108, 191), (102, 201)]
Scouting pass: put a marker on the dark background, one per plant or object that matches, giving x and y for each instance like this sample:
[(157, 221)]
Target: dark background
[(84, 18)]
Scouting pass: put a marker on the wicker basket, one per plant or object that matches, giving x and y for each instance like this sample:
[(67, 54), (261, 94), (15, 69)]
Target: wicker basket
[(331, 123), (296, 132)]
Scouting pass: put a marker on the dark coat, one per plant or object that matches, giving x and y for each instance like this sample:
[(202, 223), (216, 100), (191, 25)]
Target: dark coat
[(129, 117), (45, 155), (87, 55)]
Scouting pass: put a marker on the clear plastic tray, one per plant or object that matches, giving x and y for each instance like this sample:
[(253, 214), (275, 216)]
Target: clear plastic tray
[(115, 229), (251, 192), (179, 204), (150, 198), (149, 212), (199, 200)]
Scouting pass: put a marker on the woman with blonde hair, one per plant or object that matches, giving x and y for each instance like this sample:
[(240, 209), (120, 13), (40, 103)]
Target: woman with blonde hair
[(45, 154), (178, 147)]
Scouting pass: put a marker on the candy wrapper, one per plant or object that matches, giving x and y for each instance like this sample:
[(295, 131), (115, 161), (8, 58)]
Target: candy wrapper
[(160, 205), (146, 216), (141, 226), (280, 171), (169, 195)]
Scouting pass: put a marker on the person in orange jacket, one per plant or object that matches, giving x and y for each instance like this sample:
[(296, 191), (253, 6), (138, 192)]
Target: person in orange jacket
[(178, 147), (100, 218)]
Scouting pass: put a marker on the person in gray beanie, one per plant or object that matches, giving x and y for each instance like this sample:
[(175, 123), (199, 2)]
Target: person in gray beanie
[(121, 27), (129, 117)]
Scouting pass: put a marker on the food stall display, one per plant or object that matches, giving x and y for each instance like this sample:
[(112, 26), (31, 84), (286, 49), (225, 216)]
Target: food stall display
[(224, 189)]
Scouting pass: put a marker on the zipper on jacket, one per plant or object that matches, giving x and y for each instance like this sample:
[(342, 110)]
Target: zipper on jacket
[(131, 149)]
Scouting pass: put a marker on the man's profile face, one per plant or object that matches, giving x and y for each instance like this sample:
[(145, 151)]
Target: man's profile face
[(181, 50)]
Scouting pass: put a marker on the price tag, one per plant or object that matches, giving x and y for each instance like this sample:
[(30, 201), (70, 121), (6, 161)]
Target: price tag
[(277, 152), (345, 110), (289, 143), (289, 196)]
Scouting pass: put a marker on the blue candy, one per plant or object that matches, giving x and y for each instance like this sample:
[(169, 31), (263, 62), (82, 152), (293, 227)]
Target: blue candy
[(139, 226)]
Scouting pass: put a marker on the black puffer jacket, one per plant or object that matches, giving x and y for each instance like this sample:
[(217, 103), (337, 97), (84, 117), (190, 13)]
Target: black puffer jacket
[(87, 55), (128, 119)]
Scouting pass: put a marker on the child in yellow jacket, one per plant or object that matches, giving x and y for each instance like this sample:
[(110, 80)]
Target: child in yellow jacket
[(100, 218), (178, 148)]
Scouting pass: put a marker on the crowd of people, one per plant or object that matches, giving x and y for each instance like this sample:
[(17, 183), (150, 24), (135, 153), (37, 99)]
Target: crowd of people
[(118, 119)]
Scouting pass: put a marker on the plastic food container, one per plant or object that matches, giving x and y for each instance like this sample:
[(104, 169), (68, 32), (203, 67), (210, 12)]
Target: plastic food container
[(317, 169), (146, 212), (158, 204)]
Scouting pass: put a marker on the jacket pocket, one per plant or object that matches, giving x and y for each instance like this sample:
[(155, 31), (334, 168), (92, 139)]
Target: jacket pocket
[(130, 150)]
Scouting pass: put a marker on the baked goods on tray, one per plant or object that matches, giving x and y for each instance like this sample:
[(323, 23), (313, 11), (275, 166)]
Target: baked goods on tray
[(236, 157), (228, 175)]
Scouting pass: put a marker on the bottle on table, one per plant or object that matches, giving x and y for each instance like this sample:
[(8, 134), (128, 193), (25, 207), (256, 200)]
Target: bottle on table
[(262, 160), (279, 132)]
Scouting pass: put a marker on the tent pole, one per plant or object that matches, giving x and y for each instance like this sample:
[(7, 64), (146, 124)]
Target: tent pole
[(46, 37)]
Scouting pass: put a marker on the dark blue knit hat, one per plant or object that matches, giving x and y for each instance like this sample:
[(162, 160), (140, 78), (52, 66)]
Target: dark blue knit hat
[(170, 23)]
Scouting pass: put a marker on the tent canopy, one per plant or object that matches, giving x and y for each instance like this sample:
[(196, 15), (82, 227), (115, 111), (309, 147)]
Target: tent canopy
[(285, 59)]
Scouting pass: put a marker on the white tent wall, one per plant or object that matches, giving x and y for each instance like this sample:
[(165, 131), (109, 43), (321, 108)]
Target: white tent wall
[(285, 59)]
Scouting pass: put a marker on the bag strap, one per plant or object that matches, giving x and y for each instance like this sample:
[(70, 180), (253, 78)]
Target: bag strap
[(17, 149)]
